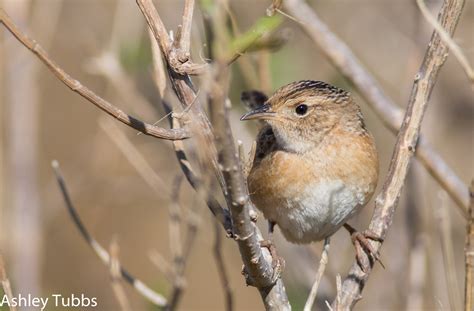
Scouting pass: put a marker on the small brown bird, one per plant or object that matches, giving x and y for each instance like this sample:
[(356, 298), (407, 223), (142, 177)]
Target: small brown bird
[(315, 163)]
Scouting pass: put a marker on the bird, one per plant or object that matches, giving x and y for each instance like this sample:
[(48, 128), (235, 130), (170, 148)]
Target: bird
[(315, 164)]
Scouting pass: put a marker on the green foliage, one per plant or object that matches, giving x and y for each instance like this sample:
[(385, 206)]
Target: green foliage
[(263, 26)]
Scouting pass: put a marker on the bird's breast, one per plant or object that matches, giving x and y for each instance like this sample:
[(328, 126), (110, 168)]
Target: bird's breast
[(309, 197)]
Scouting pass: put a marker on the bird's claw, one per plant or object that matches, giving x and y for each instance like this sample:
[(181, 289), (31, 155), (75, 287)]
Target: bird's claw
[(278, 264), (362, 244)]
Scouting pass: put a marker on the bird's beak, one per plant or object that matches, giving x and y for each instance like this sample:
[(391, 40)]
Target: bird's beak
[(263, 112)]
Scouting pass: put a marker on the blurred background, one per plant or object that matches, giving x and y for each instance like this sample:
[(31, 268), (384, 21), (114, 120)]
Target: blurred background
[(104, 44)]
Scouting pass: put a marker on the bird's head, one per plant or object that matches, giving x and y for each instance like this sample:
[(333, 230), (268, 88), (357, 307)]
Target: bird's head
[(302, 113)]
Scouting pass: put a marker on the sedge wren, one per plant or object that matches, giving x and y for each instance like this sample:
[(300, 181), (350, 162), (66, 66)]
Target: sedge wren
[(315, 163)]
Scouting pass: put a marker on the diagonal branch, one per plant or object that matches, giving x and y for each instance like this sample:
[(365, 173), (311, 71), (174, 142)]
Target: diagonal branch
[(455, 49), (387, 200), (100, 251), (350, 67), (76, 86)]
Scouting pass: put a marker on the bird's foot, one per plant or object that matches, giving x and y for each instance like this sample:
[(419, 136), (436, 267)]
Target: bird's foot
[(278, 264), (362, 245)]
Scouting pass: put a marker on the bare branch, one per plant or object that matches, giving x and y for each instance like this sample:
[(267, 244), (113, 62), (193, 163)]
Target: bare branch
[(319, 274), (134, 157), (162, 264), (347, 63), (159, 73), (116, 277), (182, 86), (258, 266), (454, 48), (101, 252), (176, 248), (222, 214), (7, 289), (444, 230), (82, 90), (221, 269), (229, 173), (185, 40), (387, 200), (166, 45), (469, 256)]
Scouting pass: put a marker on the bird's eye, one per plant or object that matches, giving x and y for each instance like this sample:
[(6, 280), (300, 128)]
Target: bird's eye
[(301, 109)]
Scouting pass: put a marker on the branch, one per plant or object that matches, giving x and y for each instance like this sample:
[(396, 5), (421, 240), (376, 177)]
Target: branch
[(258, 266), (101, 252), (182, 86), (221, 269), (351, 68), (86, 93), (222, 214), (227, 169), (455, 49), (180, 251), (445, 237), (170, 51), (114, 268), (7, 288), (185, 38), (469, 256), (387, 200), (319, 274)]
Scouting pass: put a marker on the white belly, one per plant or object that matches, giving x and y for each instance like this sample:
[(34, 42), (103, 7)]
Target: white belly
[(316, 212)]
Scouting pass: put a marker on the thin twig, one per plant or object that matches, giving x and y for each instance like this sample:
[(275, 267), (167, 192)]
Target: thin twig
[(7, 289), (185, 40), (221, 268), (180, 250), (319, 274), (134, 157), (101, 252), (452, 285), (386, 202), (159, 72), (82, 90), (176, 248), (162, 264), (119, 291), (222, 214), (347, 63), (453, 47), (469, 256)]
